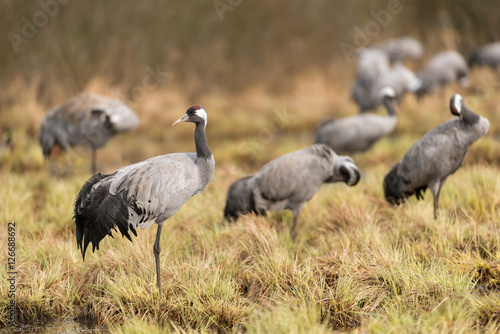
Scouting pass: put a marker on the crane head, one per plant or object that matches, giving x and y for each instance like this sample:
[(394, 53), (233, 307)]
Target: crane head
[(350, 173), (195, 114), (387, 91), (456, 102), (345, 171)]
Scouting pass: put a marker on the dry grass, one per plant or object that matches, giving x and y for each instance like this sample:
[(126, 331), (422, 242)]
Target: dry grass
[(267, 75), (357, 265)]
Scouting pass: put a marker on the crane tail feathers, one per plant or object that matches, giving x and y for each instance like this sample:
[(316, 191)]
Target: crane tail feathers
[(240, 200), (97, 213), (395, 188)]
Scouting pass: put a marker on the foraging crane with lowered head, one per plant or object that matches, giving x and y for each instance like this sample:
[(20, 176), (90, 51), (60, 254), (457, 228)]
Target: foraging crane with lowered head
[(441, 69), (289, 181), (435, 156), (400, 49), (359, 132), (88, 120)]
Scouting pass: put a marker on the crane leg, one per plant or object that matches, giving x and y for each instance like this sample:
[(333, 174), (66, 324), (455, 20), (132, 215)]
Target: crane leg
[(94, 156), (294, 226), (436, 189), (296, 210), (157, 250)]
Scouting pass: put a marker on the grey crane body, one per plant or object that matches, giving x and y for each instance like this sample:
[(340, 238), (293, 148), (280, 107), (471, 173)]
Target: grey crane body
[(438, 154), (355, 133), (486, 55), (144, 193), (441, 69), (401, 79), (371, 64), (400, 49), (87, 119), (398, 77), (291, 180), (358, 133)]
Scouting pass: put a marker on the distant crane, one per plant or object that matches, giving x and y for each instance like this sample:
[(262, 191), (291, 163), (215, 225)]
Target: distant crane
[(289, 181), (400, 49), (371, 65), (486, 55), (435, 156), (144, 193), (441, 69), (399, 77), (87, 120), (358, 133)]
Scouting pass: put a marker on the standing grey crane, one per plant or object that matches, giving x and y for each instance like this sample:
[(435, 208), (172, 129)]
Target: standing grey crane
[(358, 133), (400, 49), (371, 65), (435, 156), (444, 67), (486, 55), (144, 193), (88, 120), (289, 181)]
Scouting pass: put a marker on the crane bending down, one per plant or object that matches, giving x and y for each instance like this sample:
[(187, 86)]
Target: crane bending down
[(358, 133), (87, 119), (435, 156), (400, 49), (441, 69), (144, 193), (289, 181), (487, 55)]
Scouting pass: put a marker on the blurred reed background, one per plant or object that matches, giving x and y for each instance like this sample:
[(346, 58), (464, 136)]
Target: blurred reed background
[(268, 45), (238, 59)]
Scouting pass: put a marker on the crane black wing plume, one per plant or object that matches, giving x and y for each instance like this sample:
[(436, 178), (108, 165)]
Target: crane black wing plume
[(97, 212)]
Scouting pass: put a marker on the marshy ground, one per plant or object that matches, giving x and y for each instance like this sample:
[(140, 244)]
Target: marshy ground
[(358, 265)]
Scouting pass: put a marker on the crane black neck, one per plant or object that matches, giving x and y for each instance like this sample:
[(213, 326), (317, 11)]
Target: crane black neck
[(387, 101), (469, 117), (200, 140)]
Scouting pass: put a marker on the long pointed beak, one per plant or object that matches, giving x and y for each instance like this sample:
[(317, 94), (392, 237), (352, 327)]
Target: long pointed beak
[(182, 119)]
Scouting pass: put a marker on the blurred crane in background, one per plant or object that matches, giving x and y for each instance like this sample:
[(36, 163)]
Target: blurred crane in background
[(358, 133), (401, 49), (486, 55), (441, 69), (88, 120), (373, 73)]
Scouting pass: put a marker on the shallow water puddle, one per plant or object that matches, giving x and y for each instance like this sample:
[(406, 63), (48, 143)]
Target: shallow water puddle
[(60, 326)]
